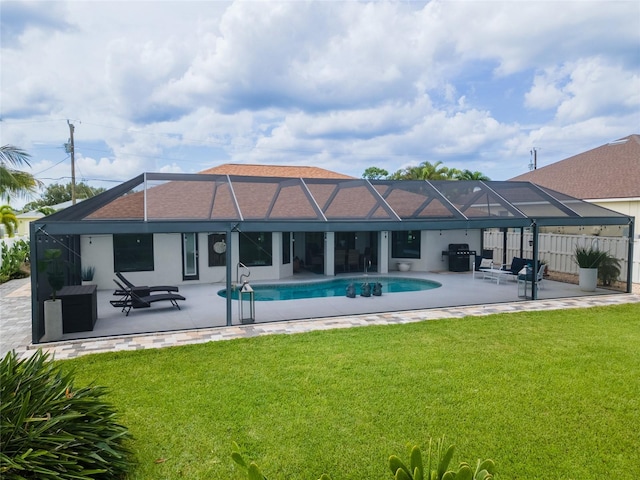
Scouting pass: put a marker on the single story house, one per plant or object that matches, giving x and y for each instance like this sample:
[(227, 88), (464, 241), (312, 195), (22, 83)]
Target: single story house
[(202, 228), (608, 176)]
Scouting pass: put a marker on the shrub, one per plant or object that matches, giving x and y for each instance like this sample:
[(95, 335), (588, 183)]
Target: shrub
[(438, 458), (437, 466), (252, 470), (14, 261), (609, 269), (51, 429), (588, 257)]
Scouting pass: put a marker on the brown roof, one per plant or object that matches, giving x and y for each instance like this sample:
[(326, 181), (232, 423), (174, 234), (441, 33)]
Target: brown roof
[(251, 170), (609, 171)]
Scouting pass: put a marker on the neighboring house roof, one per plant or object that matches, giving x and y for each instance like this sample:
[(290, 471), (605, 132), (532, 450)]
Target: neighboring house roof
[(609, 171), (35, 214), (251, 170)]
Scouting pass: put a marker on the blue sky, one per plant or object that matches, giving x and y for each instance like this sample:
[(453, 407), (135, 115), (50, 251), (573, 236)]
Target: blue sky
[(183, 86)]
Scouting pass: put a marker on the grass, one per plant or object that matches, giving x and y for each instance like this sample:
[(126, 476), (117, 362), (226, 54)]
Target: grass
[(552, 394)]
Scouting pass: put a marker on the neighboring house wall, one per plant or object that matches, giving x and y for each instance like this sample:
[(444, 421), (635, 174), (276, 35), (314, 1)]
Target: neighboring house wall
[(631, 207), (23, 223), (626, 206)]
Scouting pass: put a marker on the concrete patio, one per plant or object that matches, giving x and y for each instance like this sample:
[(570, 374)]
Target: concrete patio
[(202, 316)]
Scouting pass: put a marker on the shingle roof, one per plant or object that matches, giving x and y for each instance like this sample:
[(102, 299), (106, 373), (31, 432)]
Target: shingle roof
[(608, 171), (252, 170)]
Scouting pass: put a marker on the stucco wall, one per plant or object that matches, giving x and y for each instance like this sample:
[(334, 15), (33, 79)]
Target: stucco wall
[(432, 243)]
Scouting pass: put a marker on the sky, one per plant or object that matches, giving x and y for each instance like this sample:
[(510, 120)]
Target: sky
[(182, 86)]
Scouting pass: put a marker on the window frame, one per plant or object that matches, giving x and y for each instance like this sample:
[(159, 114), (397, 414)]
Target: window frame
[(136, 246), (406, 244)]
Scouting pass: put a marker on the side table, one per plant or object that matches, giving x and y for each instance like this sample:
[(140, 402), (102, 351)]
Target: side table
[(79, 307)]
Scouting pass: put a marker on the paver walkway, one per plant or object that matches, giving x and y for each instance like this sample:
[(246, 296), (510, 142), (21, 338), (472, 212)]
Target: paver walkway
[(15, 323)]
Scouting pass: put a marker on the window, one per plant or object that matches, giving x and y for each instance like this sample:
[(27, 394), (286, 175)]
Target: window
[(405, 244), (133, 253), (255, 249), (286, 248), (217, 246)]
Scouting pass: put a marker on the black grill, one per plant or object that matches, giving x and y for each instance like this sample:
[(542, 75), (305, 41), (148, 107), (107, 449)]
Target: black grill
[(459, 254)]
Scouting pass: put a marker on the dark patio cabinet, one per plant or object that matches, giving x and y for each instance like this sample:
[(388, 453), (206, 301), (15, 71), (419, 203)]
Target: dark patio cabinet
[(79, 308)]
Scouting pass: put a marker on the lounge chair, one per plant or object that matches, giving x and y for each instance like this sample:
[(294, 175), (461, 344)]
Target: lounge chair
[(155, 288), (139, 297)]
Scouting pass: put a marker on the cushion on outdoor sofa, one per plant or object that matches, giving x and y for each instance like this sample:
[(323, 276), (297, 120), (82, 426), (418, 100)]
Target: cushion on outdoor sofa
[(518, 263)]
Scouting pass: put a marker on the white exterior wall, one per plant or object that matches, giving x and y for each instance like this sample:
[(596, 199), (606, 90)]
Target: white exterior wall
[(97, 251), (432, 243)]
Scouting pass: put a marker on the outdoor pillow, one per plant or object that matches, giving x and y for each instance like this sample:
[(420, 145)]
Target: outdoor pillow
[(486, 263)]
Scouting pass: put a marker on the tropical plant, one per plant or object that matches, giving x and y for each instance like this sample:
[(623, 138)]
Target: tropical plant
[(14, 261), (437, 466), (88, 273), (252, 470), (609, 269), (588, 257), (15, 182), (431, 171), (8, 219), (50, 429), (469, 175), (53, 265)]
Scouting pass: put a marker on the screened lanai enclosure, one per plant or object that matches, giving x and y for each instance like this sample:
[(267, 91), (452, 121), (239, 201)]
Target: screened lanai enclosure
[(205, 235)]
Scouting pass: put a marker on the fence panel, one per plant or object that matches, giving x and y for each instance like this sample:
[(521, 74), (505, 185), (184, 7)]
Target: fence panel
[(557, 250)]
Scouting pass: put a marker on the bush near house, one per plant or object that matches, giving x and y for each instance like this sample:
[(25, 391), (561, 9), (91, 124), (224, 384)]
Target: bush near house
[(15, 261), (52, 430)]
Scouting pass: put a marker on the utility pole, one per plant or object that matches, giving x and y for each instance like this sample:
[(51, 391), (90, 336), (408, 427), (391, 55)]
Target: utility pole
[(533, 164), (71, 150)]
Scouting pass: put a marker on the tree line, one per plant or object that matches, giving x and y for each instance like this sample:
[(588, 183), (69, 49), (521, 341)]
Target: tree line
[(424, 171), (20, 184)]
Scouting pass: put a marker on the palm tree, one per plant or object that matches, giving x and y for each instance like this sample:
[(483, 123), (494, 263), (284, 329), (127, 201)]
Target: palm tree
[(8, 219), (15, 182), (469, 175)]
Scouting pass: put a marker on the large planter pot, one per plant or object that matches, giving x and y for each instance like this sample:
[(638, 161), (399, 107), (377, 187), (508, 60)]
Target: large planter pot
[(404, 266), (588, 279), (52, 320)]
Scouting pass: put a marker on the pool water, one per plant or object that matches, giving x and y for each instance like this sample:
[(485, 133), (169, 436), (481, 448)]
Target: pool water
[(333, 288)]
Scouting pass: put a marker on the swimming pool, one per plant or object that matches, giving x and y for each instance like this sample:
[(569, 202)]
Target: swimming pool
[(333, 288)]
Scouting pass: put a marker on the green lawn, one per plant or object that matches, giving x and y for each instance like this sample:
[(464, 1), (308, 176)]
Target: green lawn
[(552, 394)]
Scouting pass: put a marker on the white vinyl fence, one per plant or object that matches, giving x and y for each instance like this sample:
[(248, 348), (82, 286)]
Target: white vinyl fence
[(557, 249)]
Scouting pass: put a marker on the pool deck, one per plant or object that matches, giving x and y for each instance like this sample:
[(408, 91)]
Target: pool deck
[(202, 317)]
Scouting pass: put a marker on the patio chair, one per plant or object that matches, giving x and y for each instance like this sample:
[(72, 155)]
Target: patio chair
[(139, 297), (155, 288)]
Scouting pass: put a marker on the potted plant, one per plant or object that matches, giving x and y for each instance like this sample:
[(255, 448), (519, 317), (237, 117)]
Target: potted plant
[(588, 260), (52, 264), (87, 275)]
